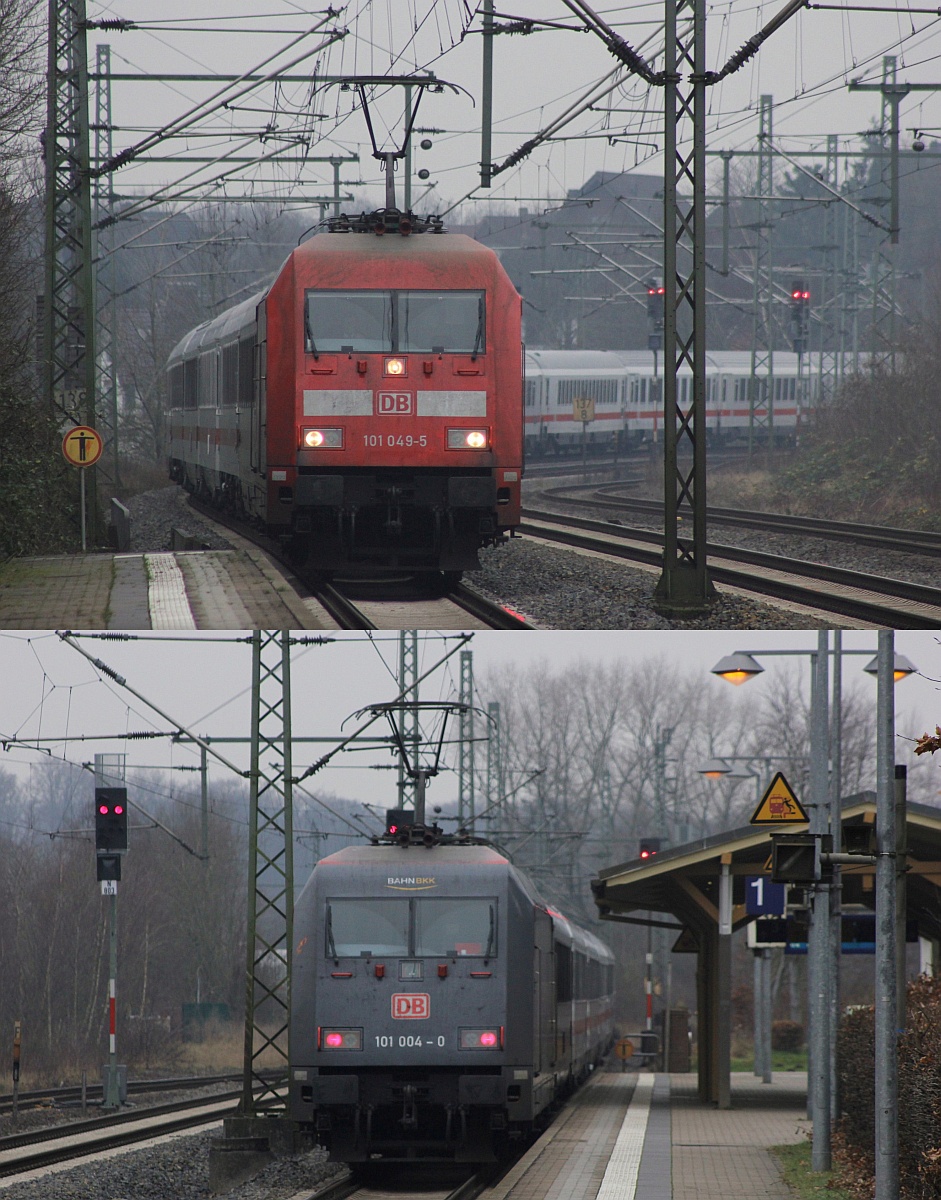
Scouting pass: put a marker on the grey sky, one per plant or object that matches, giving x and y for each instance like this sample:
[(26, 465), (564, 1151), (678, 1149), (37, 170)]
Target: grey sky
[(50, 690), (805, 66)]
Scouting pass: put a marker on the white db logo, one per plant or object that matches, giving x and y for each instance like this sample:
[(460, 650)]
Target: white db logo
[(398, 403), (411, 1005)]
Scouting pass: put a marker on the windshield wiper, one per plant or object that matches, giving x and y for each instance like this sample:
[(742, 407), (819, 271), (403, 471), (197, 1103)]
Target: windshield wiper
[(331, 944), (488, 953), (479, 338), (309, 332)]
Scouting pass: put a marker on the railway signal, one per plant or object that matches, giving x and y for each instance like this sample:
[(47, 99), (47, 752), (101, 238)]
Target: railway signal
[(649, 847), (655, 296), (110, 821), (800, 316), (399, 820)]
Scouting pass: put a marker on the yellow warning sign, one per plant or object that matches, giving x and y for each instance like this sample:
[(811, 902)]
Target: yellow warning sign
[(779, 805), (82, 446), (624, 1048)]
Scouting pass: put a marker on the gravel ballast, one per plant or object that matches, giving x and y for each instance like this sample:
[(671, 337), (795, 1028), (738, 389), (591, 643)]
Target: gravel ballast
[(175, 1170), (562, 589)]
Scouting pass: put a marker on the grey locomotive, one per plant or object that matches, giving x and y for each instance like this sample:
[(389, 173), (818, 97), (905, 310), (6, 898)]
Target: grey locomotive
[(439, 1006)]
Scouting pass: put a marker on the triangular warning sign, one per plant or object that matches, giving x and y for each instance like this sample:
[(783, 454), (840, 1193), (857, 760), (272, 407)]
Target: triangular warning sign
[(779, 805), (686, 943)]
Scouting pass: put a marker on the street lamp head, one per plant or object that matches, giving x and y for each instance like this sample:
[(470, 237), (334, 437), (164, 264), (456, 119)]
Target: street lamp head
[(901, 670), (715, 768), (737, 668)]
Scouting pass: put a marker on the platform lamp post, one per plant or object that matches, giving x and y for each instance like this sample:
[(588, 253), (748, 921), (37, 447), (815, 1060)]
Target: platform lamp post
[(823, 965)]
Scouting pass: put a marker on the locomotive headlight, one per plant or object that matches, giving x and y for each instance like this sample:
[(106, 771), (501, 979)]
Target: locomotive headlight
[(394, 367), (322, 439), (481, 1039), (468, 439), (340, 1039)]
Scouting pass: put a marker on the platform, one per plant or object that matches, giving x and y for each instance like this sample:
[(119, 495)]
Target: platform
[(649, 1137), (208, 589)]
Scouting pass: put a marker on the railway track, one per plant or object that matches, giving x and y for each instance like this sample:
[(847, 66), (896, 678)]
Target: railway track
[(384, 607), (460, 608), (349, 1188), (94, 1092), (912, 541), (854, 595), (37, 1148)]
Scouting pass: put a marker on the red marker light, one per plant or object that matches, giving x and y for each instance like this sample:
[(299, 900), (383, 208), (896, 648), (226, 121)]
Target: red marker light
[(118, 810), (334, 1039), (103, 809), (488, 1039)]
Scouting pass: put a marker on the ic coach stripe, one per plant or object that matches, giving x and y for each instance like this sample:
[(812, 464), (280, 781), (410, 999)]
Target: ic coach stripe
[(339, 403), (452, 404)]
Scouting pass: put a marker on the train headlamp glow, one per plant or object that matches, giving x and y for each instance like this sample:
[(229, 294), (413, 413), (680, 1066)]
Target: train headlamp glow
[(322, 439), (340, 1039), (394, 367), (481, 1039), (467, 439)]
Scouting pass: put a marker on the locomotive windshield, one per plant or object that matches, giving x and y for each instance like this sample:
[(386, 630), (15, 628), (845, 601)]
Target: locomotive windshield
[(411, 928), (356, 927), (383, 322), (445, 927)]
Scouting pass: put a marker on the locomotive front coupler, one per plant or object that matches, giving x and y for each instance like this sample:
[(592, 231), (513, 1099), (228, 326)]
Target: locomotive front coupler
[(409, 1117)]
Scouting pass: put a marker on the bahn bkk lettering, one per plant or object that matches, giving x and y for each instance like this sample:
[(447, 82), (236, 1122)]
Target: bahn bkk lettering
[(411, 883)]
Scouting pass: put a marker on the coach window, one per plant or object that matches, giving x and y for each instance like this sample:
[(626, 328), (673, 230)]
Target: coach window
[(351, 321), (367, 927), (438, 322), (455, 927)]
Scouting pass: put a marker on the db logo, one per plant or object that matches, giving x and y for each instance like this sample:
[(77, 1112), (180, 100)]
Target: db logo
[(394, 402), (411, 1005)]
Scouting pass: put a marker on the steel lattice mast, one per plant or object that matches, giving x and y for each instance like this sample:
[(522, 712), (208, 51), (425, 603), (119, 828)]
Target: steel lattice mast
[(685, 584), (269, 938), (68, 300), (465, 800), (408, 688), (105, 268), (761, 382)]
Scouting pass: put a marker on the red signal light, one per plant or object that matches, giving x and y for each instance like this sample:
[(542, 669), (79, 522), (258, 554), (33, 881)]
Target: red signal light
[(103, 809)]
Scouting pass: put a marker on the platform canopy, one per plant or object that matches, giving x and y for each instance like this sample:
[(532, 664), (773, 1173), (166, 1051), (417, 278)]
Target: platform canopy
[(682, 882)]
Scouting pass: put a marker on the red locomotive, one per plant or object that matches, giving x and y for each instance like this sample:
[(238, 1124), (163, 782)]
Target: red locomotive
[(367, 409)]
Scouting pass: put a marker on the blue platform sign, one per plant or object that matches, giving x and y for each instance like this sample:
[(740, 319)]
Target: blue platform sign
[(764, 897)]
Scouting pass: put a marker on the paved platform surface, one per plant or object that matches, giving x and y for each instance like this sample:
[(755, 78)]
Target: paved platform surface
[(209, 589), (646, 1137)]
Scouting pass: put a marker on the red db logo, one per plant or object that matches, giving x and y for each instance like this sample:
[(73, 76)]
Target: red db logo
[(399, 403), (411, 1005)]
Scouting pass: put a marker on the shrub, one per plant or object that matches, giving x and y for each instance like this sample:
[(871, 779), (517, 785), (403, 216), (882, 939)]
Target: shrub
[(919, 1101), (786, 1035)]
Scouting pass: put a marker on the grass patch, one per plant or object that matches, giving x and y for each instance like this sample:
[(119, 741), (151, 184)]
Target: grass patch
[(805, 1183), (781, 1060)]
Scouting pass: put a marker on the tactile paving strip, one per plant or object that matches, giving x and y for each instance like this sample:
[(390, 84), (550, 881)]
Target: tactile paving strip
[(166, 594), (620, 1178)]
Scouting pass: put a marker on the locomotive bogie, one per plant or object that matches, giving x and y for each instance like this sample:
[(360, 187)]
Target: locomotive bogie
[(436, 1010)]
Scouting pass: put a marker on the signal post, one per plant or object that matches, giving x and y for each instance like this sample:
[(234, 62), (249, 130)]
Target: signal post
[(110, 846)]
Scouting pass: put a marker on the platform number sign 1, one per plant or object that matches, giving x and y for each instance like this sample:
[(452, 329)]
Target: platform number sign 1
[(763, 897)]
